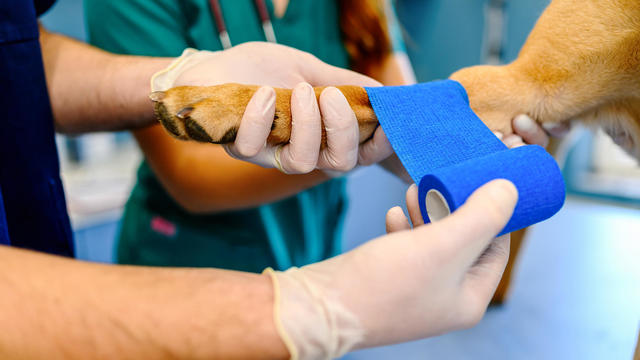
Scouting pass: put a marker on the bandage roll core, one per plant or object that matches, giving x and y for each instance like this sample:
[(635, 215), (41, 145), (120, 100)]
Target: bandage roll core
[(450, 153), (436, 205)]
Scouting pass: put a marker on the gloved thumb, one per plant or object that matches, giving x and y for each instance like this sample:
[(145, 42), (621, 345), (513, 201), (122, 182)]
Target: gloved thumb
[(471, 228)]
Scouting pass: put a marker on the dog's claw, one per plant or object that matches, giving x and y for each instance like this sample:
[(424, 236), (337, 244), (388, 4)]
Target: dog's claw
[(184, 113), (157, 96)]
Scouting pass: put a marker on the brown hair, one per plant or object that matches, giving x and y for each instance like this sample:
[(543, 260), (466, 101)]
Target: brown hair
[(365, 32)]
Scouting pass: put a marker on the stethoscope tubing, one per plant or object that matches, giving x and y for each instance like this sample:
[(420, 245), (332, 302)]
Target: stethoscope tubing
[(221, 26)]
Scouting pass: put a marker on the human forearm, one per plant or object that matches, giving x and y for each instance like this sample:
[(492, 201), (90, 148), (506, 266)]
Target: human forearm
[(93, 90), (62, 309), (203, 178), (394, 70)]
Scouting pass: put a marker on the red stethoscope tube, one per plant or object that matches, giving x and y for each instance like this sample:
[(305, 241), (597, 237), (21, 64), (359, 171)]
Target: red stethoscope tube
[(221, 26)]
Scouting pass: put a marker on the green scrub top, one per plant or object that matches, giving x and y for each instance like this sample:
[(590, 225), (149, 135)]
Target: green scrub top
[(155, 230)]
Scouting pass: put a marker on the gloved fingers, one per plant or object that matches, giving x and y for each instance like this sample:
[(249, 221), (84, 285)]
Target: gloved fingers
[(483, 278), (556, 129), (396, 220), (530, 131), (623, 140), (264, 158), (320, 73), (472, 227), (341, 128), (375, 149), (413, 206), (513, 141), (620, 135), (255, 125), (301, 154)]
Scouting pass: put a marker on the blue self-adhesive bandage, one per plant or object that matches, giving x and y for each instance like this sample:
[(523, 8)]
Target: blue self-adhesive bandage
[(450, 153)]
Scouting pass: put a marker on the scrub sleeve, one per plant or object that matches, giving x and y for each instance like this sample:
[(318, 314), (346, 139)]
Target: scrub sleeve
[(33, 212)]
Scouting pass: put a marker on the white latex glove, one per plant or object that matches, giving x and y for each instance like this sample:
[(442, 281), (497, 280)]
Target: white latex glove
[(273, 65), (407, 285), (302, 154), (528, 131), (531, 132)]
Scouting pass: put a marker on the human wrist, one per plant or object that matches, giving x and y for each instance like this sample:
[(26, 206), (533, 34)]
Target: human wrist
[(128, 77), (310, 318), (239, 303), (148, 67)]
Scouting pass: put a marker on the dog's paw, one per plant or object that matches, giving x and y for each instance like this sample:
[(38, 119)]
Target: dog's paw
[(202, 113), (213, 113)]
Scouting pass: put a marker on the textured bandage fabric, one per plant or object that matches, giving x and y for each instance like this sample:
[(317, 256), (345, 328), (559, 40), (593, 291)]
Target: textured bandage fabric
[(445, 146)]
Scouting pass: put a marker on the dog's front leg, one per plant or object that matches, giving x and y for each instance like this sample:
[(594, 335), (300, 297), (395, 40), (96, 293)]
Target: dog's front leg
[(581, 59)]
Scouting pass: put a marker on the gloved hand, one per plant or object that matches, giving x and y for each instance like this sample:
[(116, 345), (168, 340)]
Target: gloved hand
[(527, 131), (407, 285), (275, 65)]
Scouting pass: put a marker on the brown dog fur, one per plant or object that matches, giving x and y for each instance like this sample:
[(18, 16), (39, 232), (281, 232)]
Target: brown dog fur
[(581, 61), (213, 113)]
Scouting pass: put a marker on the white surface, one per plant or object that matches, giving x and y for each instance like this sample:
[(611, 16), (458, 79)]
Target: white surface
[(97, 190)]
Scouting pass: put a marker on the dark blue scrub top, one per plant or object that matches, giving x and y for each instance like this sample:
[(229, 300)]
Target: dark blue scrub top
[(33, 212)]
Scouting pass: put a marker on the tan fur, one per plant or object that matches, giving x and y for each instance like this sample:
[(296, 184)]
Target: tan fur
[(582, 60), (218, 111)]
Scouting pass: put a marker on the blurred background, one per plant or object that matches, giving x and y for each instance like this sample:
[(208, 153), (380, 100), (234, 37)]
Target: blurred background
[(576, 288)]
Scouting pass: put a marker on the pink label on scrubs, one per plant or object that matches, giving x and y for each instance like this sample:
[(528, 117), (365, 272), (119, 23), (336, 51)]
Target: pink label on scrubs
[(163, 226)]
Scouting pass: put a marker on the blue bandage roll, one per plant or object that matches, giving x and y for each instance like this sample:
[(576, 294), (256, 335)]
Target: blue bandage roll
[(450, 153)]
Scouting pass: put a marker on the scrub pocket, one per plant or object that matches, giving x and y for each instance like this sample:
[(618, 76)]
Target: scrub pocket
[(154, 239)]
